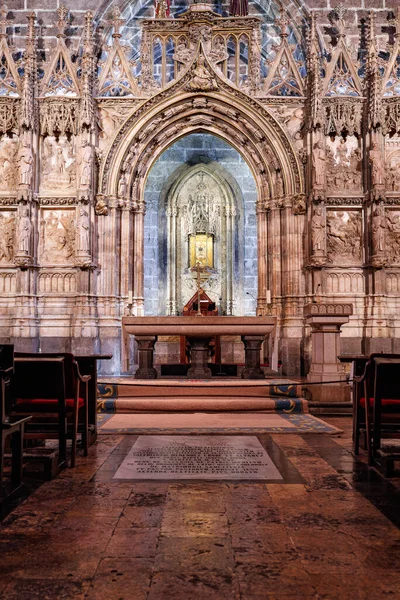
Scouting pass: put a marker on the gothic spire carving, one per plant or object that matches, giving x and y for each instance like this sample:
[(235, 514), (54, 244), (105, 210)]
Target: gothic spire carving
[(314, 75), (341, 77), (373, 77), (27, 113), (60, 77), (116, 77), (10, 83), (87, 65), (284, 78)]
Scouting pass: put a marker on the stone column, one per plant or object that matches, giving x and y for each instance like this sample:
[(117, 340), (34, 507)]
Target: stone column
[(172, 217), (252, 349), (262, 257), (138, 253), (326, 320), (146, 369)]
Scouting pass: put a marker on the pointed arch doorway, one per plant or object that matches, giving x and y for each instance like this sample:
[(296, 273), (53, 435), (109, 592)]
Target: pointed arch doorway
[(203, 211)]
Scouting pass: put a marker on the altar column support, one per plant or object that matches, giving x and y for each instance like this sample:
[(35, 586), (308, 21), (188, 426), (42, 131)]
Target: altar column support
[(146, 369), (252, 350)]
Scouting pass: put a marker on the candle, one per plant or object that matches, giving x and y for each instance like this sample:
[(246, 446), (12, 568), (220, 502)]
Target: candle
[(268, 296), (130, 297)]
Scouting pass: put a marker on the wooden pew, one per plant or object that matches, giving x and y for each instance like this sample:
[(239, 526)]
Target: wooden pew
[(49, 388), (377, 402)]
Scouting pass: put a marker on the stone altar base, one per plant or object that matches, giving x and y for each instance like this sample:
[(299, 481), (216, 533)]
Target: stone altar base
[(126, 394)]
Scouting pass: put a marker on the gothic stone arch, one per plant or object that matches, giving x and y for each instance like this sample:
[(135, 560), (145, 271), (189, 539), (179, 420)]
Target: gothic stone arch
[(211, 105)]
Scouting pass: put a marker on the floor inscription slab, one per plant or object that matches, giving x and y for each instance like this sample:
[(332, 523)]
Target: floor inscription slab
[(198, 457)]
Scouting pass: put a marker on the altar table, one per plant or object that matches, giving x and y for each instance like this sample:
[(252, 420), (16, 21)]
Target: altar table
[(199, 331)]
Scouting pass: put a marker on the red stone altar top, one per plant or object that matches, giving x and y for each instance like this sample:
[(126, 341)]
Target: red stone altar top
[(198, 326)]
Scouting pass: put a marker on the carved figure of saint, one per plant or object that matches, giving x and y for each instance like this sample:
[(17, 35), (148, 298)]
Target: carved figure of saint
[(24, 229), (83, 231), (279, 185), (60, 161), (162, 8), (341, 153), (318, 164), (122, 186), (86, 166), (202, 79), (239, 8), (318, 229), (378, 230), (377, 165), (25, 162)]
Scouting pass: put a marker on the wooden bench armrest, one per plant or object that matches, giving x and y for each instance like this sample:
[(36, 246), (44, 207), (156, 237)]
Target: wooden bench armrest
[(360, 378), (83, 378)]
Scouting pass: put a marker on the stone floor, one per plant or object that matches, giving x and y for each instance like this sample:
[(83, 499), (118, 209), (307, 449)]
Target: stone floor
[(330, 530)]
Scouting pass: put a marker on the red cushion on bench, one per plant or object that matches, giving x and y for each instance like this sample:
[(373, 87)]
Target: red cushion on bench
[(44, 404), (387, 403)]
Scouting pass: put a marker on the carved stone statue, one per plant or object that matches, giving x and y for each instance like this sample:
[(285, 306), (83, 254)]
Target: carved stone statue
[(83, 228), (25, 162), (24, 229), (318, 164), (239, 8), (86, 165), (318, 230), (377, 165), (202, 80), (378, 230), (279, 192), (122, 187)]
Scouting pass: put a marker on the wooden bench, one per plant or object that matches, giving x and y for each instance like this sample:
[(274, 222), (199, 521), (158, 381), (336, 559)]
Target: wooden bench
[(377, 403), (48, 386)]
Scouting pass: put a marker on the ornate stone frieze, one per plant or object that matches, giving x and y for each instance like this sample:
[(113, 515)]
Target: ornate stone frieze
[(9, 114), (59, 116), (57, 200)]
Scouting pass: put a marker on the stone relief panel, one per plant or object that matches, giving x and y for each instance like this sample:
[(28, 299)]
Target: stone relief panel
[(8, 283), (57, 282), (344, 164), (392, 176), (57, 236), (58, 164), (344, 282), (393, 236), (8, 163), (344, 236), (7, 236)]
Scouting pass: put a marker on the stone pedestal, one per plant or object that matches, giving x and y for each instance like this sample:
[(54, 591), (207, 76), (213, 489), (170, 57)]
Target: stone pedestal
[(326, 320), (145, 357), (252, 349), (199, 349)]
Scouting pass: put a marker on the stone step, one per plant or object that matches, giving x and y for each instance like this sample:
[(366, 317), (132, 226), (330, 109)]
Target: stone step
[(211, 403)]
